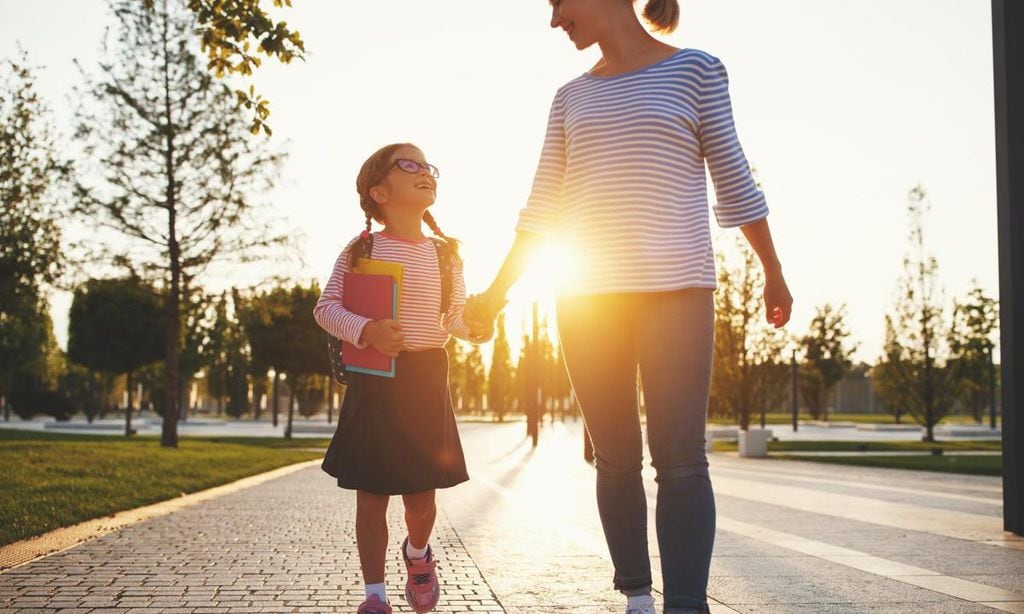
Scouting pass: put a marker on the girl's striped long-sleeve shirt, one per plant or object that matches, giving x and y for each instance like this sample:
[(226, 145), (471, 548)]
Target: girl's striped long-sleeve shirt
[(419, 306), (621, 179)]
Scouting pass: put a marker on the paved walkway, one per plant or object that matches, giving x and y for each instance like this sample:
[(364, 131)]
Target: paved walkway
[(523, 536)]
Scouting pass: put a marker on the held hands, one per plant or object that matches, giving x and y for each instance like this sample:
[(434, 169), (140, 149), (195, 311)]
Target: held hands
[(480, 312), (384, 335), (480, 332)]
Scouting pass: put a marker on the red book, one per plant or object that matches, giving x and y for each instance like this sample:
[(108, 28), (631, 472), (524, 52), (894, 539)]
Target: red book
[(374, 297)]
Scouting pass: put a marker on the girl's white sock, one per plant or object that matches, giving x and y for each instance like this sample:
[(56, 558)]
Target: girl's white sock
[(415, 553), (639, 602), (377, 589)]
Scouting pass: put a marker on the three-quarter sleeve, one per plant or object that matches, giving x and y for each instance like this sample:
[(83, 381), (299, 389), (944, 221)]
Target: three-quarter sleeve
[(330, 312), (738, 199), (454, 321), (542, 208)]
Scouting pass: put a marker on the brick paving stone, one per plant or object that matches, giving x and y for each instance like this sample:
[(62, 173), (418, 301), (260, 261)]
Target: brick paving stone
[(286, 545)]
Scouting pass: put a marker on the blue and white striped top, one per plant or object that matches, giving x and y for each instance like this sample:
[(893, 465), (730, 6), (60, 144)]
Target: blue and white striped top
[(621, 177)]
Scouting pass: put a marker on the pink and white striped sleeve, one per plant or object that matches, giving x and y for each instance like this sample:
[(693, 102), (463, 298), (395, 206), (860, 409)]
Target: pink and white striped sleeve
[(330, 312), (454, 322)]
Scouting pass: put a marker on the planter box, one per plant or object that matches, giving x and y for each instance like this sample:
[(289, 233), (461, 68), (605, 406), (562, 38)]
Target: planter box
[(754, 443), (719, 433)]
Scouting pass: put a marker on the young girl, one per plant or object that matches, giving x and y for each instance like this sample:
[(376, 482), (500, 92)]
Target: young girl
[(398, 436)]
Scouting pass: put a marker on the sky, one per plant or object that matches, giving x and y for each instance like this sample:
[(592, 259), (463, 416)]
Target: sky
[(842, 106)]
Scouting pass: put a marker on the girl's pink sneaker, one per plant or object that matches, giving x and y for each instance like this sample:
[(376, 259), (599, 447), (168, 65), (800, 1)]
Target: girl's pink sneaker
[(422, 590), (373, 605)]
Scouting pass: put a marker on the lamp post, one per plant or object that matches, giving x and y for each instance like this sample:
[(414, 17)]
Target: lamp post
[(991, 389), (1008, 65), (793, 391)]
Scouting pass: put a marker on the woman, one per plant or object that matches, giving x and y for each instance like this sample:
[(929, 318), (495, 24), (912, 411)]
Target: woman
[(621, 180)]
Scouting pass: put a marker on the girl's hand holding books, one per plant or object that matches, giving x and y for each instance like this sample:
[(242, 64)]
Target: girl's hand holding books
[(385, 336)]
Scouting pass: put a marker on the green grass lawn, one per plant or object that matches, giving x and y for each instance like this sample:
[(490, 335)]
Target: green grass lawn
[(972, 465), (787, 418), (52, 480), (872, 446)]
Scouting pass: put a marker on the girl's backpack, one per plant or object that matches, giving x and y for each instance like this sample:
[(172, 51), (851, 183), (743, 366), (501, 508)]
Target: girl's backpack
[(444, 262)]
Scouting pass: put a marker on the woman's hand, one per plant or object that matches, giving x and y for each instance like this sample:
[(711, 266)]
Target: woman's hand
[(479, 333), (384, 335), (778, 303)]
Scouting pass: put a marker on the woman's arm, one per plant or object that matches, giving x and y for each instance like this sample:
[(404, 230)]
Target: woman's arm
[(535, 219), (514, 265), (778, 302), (455, 321), (740, 202), (484, 308)]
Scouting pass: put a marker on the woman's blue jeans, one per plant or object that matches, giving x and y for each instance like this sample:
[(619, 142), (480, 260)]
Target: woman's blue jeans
[(670, 336)]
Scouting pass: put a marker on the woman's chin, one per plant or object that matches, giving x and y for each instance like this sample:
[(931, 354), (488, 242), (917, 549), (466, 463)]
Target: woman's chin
[(581, 45)]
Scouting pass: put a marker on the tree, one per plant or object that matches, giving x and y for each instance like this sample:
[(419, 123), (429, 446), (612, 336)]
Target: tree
[(524, 393), (826, 358), (256, 367), (30, 252), (216, 354), (196, 324), (456, 373), (39, 365), (499, 380), (225, 357), (82, 384), (283, 335), (915, 374), (547, 363), (150, 378), (748, 373), (176, 171), (115, 326), (238, 368), (302, 333), (971, 343), (560, 384), (258, 314), (227, 30), (23, 338), (475, 379), (888, 375)]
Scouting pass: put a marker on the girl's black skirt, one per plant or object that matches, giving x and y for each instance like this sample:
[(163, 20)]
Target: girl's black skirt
[(398, 435)]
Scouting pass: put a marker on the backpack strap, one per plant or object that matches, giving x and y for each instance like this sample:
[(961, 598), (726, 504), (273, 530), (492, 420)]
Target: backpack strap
[(444, 266)]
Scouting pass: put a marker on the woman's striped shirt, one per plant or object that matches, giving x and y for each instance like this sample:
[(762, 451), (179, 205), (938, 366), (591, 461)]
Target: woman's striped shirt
[(621, 179), (419, 306)]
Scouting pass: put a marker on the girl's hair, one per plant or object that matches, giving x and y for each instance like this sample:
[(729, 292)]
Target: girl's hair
[(373, 171), (663, 15)]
